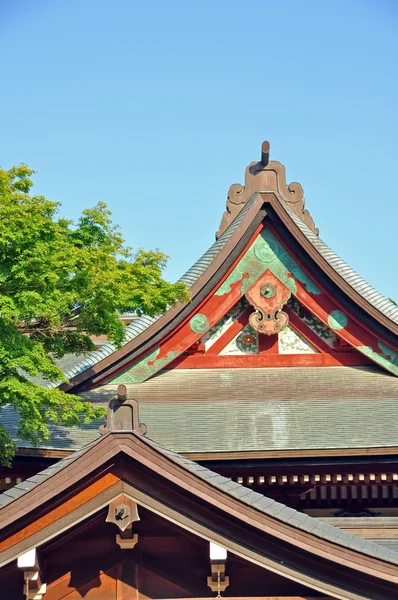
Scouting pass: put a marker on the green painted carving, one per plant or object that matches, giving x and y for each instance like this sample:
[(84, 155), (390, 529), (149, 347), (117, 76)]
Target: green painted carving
[(199, 323), (337, 320), (387, 359), (266, 252), (142, 370)]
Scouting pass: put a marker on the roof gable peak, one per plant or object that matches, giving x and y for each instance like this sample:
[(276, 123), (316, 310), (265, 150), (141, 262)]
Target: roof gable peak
[(265, 176)]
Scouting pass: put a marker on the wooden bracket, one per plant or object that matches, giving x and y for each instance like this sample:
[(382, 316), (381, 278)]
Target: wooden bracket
[(36, 594), (127, 540), (218, 581), (34, 588)]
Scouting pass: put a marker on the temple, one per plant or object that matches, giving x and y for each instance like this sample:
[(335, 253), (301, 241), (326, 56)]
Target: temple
[(251, 441)]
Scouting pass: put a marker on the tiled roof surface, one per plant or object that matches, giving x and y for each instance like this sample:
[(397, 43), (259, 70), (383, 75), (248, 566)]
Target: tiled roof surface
[(25, 486), (255, 500), (272, 409)]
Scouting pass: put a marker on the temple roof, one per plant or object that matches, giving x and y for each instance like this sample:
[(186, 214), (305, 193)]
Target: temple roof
[(260, 503), (263, 177)]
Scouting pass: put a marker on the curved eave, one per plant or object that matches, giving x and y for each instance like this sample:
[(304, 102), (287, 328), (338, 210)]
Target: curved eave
[(350, 283), (144, 333)]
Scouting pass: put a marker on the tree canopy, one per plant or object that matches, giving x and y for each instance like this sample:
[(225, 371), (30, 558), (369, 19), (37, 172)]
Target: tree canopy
[(61, 282)]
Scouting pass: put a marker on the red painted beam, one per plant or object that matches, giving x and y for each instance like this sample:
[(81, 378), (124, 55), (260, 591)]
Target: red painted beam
[(271, 360)]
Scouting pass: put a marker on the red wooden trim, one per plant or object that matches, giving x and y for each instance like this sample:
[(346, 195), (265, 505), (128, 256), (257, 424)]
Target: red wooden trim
[(321, 305), (307, 333), (229, 334), (271, 360)]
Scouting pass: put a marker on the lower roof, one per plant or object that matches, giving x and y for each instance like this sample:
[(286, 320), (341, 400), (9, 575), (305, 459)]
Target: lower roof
[(254, 410), (300, 533)]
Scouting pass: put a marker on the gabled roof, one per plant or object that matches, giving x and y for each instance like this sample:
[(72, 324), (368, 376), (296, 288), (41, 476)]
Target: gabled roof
[(265, 198), (359, 287), (253, 510), (261, 503), (283, 204)]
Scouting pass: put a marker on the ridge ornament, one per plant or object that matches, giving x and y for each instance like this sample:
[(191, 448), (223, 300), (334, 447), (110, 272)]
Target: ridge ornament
[(267, 296)]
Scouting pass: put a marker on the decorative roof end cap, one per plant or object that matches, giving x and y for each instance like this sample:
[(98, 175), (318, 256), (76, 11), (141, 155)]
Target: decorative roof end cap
[(123, 415), (265, 176)]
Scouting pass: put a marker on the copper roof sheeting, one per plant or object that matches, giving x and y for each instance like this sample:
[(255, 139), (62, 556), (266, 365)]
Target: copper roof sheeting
[(225, 410), (274, 409)]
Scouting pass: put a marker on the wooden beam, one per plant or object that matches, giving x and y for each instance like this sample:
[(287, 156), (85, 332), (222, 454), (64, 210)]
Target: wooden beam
[(76, 508), (264, 360), (302, 453), (127, 581), (307, 333), (229, 334)]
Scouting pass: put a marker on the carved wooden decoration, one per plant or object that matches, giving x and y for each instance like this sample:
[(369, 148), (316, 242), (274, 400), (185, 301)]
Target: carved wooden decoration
[(122, 512), (123, 414), (218, 581), (264, 176), (267, 296)]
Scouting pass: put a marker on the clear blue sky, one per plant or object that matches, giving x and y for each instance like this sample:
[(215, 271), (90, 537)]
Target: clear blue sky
[(157, 107)]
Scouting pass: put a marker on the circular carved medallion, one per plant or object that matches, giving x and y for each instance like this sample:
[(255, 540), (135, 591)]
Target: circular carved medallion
[(267, 290), (199, 323), (264, 251)]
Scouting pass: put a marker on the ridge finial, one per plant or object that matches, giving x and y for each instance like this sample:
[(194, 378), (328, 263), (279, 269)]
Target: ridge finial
[(265, 176)]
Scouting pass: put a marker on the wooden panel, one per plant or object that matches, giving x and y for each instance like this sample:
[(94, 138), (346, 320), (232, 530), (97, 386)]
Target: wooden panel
[(101, 587)]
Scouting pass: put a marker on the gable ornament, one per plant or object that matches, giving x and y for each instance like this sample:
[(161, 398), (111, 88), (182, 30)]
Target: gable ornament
[(268, 295)]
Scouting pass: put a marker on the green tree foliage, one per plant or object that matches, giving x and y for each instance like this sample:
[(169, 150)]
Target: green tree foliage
[(59, 283)]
